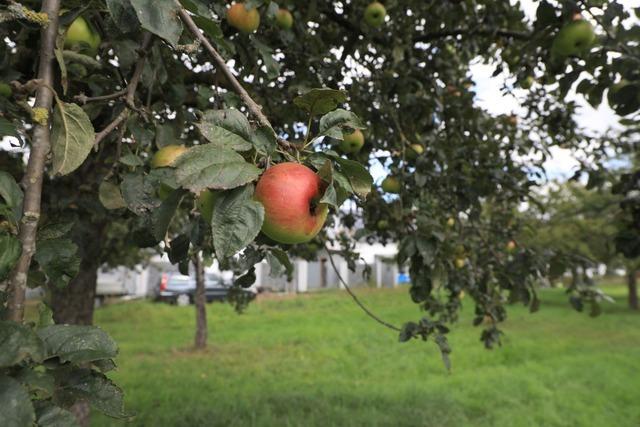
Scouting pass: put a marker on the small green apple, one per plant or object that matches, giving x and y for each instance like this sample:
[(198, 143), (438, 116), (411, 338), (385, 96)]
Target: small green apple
[(460, 262), (374, 14), (527, 82), (206, 201), (413, 151), (284, 19), (352, 142), (511, 245), (80, 36), (575, 38), (391, 185), (5, 90), (382, 224), (245, 20), (451, 222), (167, 155)]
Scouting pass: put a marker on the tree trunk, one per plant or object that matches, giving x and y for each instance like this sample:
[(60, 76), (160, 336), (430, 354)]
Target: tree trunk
[(633, 288), (200, 302)]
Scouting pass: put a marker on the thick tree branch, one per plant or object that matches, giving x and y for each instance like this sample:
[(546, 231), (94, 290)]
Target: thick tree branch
[(130, 91), (32, 182)]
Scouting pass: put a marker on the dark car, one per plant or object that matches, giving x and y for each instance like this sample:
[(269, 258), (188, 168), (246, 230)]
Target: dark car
[(180, 289)]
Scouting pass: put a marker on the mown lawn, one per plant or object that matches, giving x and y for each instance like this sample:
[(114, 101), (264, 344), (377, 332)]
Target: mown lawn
[(316, 360)]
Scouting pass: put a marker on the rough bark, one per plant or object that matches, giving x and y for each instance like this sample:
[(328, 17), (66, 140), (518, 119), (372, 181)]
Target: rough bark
[(74, 303), (32, 182), (200, 301), (632, 284)]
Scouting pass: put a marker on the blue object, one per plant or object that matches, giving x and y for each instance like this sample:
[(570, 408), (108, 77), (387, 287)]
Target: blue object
[(403, 278)]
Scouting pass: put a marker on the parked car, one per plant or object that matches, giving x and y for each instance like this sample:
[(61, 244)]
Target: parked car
[(180, 289)]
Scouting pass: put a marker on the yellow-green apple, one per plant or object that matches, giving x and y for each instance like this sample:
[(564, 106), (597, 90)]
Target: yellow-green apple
[(245, 20), (527, 82), (290, 194), (511, 245), (81, 36), (5, 90), (206, 200), (391, 184), (460, 262), (413, 151), (451, 222), (575, 38), (352, 142), (382, 224), (374, 14), (167, 155), (284, 19)]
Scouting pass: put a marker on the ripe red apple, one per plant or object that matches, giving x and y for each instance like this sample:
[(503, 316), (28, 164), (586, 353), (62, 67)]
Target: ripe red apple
[(374, 14), (245, 20), (284, 19), (167, 155), (391, 185), (290, 194), (352, 142)]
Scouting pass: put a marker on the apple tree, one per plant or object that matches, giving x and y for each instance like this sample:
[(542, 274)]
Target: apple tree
[(247, 132)]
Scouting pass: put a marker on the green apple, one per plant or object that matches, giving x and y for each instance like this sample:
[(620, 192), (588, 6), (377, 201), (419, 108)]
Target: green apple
[(460, 262), (374, 14), (5, 90), (291, 193), (352, 142), (527, 82), (245, 20), (451, 222), (206, 201), (391, 185), (413, 151), (575, 38), (284, 19), (80, 36), (382, 224), (167, 155)]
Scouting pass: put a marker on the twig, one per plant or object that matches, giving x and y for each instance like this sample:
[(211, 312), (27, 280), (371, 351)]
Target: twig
[(355, 298), (130, 91), (32, 182), (83, 99)]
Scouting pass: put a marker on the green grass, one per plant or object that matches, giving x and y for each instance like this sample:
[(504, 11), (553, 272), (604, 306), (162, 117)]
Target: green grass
[(316, 360)]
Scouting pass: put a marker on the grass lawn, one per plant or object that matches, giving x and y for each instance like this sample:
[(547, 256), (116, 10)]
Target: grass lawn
[(316, 360)]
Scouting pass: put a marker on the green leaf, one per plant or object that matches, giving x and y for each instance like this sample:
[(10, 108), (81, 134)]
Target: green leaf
[(226, 128), (7, 128), (139, 194), (266, 53), (359, 177), (12, 194), (332, 123), (210, 27), (123, 15), (58, 259), (161, 217), (10, 251), (16, 409), (237, 220), (110, 196), (54, 230), (18, 342), (50, 415), (264, 140), (97, 389), (210, 166), (77, 343), (72, 137), (279, 263), (159, 17), (39, 383), (179, 249), (131, 159), (320, 101)]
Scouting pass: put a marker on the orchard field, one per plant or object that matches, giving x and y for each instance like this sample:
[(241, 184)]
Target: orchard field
[(315, 360)]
